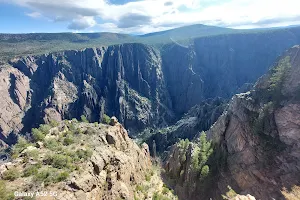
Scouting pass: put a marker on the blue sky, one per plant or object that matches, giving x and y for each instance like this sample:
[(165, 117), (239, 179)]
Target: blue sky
[(142, 16)]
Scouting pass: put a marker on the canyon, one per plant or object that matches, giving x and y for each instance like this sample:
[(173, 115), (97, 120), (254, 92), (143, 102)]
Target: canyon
[(167, 95)]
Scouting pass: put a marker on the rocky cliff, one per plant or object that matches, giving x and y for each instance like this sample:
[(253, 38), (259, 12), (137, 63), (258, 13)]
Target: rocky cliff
[(254, 145), (139, 84), (125, 81), (80, 161)]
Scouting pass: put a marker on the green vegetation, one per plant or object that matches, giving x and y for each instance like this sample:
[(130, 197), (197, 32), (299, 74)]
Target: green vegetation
[(31, 170), (183, 145), (84, 119), (278, 75), (53, 123), (11, 174), (69, 139), (19, 147), (230, 194), (141, 188), (89, 131), (157, 196), (61, 161), (84, 154), (202, 152), (50, 175), (105, 119), (37, 135), (148, 177), (60, 154), (4, 193), (53, 144)]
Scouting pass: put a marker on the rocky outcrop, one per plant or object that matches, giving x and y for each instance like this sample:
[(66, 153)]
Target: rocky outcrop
[(15, 99), (256, 140), (114, 169)]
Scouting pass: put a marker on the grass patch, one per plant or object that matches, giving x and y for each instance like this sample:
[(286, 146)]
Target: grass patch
[(32, 170), (11, 174), (5, 194)]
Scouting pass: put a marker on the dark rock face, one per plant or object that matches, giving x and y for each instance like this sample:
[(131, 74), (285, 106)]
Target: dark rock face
[(125, 81), (140, 85), (199, 118), (218, 66), (256, 141)]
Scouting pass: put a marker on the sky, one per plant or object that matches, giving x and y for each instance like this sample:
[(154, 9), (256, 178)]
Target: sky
[(142, 16)]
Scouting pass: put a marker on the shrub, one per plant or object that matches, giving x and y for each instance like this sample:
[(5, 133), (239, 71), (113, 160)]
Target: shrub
[(204, 171), (183, 144), (11, 174), (201, 154), (147, 177), (52, 144), (69, 139), (45, 175), (84, 154), (62, 176), (61, 161), (230, 194), (45, 129), (50, 175), (4, 193), (89, 131), (53, 123), (165, 190), (78, 131), (71, 126), (140, 188), (31, 170), (84, 119), (157, 196), (34, 154), (19, 146), (105, 119), (37, 135)]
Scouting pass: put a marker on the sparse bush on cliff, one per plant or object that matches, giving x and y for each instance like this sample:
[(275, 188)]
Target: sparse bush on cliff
[(84, 119), (105, 119), (19, 146), (53, 123), (5, 194), (52, 144), (201, 154), (11, 174), (45, 128), (50, 175), (230, 194), (69, 139), (31, 170), (37, 135)]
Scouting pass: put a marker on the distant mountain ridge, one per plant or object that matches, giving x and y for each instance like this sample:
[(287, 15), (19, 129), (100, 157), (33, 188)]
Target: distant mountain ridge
[(39, 43)]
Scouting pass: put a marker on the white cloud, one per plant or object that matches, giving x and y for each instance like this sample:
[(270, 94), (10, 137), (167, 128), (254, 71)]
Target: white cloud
[(34, 14), (82, 23), (153, 15)]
